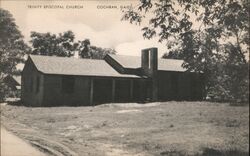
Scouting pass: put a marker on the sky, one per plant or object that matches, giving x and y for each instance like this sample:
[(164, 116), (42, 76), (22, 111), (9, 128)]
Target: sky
[(91, 21)]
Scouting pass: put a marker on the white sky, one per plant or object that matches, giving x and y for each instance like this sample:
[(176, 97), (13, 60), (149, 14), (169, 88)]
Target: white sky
[(103, 27)]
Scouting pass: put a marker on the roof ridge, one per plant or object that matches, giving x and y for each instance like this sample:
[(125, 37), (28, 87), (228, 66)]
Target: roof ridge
[(123, 55), (61, 57), (140, 57)]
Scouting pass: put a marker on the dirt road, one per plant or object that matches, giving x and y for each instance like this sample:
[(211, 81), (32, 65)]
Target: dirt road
[(14, 146)]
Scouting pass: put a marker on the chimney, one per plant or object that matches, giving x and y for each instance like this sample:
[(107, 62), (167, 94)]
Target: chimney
[(149, 65), (149, 61)]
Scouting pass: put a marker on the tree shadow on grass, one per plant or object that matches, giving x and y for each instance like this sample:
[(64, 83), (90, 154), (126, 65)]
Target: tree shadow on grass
[(213, 152), (207, 152)]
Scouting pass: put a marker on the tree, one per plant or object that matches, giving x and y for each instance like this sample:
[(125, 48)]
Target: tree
[(51, 44), (173, 55), (217, 46), (64, 45), (12, 49), (93, 52), (84, 49)]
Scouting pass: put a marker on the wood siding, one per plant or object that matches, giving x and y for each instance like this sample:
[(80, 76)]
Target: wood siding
[(55, 96), (180, 86), (32, 91)]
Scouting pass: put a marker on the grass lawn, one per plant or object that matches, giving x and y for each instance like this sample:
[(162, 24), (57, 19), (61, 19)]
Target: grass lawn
[(167, 128)]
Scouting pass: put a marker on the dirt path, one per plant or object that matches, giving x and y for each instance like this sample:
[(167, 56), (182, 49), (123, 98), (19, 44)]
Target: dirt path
[(11, 145)]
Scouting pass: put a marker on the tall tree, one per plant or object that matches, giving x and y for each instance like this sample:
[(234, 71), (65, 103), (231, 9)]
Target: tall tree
[(12, 49), (64, 45), (210, 35), (51, 44)]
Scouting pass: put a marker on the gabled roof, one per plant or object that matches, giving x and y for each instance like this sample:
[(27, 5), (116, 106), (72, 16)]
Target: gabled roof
[(14, 78), (135, 62), (74, 66), (17, 79)]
